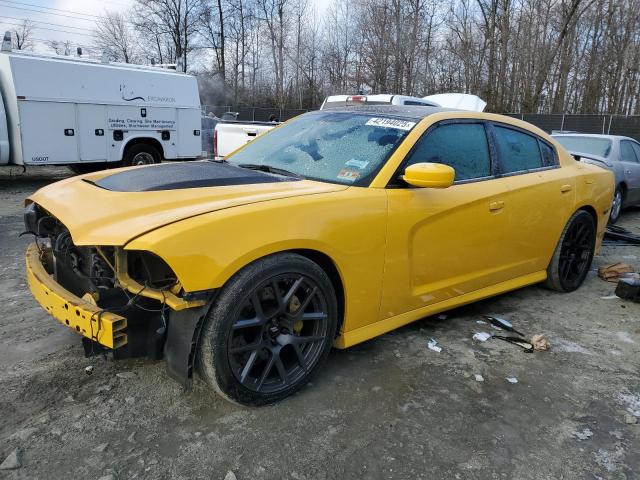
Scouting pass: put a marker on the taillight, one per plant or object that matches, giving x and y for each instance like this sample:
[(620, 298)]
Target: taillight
[(215, 143), (357, 98)]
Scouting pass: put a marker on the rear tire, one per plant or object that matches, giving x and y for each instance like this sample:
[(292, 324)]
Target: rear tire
[(269, 330), (616, 205), (141, 154), (573, 254)]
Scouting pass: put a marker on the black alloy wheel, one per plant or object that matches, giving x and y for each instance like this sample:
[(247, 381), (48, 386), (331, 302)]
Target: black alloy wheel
[(574, 253), (271, 327)]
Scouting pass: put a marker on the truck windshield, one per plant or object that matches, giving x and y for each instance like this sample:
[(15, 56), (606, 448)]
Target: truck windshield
[(338, 147), (593, 145)]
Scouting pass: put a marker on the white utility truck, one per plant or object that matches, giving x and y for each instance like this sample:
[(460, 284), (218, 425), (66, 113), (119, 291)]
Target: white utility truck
[(229, 136), (94, 114)]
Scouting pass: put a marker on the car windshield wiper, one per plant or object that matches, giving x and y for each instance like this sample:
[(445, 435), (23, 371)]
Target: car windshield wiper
[(270, 169)]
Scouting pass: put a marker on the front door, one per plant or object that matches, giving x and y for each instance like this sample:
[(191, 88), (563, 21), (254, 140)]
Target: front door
[(443, 243)]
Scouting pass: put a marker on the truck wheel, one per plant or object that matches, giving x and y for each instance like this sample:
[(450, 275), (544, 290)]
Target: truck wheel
[(573, 255), (82, 168), (269, 330), (140, 154)]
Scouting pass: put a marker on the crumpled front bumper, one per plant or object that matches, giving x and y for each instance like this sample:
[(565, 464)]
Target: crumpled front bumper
[(85, 318)]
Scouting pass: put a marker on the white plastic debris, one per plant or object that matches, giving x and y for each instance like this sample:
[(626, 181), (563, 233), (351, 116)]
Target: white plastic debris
[(512, 380), (442, 316), (479, 378), (433, 345), (584, 434), (481, 322), (609, 297), (481, 336)]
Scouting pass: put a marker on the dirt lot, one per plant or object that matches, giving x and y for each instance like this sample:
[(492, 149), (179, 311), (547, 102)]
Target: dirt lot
[(390, 408)]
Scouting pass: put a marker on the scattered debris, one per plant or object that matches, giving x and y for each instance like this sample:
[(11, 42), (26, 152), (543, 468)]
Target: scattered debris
[(584, 434), (479, 378), (630, 419), (230, 476), (502, 324), (615, 235), (88, 370), (481, 336), (539, 342), (433, 345), (126, 375), (442, 316), (512, 380), (610, 297), (611, 273), (13, 460), (520, 342), (109, 476), (131, 438), (628, 288), (100, 448), (481, 322)]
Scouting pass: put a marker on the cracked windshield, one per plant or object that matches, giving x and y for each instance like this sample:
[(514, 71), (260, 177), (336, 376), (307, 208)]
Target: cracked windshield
[(338, 147)]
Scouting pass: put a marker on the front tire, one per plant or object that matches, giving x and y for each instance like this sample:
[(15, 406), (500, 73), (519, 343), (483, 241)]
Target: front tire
[(573, 254), (269, 330)]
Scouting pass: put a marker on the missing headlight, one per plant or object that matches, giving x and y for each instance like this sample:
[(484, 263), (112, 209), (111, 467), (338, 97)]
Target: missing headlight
[(150, 270)]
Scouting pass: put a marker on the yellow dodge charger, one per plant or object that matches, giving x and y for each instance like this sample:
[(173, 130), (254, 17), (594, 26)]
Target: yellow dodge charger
[(334, 228)]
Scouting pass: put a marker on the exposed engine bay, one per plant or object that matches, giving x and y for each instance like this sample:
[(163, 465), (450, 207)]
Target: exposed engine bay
[(137, 285)]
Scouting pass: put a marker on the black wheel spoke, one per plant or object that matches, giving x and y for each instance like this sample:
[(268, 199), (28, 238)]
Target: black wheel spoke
[(289, 295), (245, 348), (314, 316), (248, 366), (266, 370), (282, 372), (308, 339), (300, 356), (248, 323)]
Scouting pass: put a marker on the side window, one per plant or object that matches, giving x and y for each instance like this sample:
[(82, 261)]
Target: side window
[(626, 151), (462, 146), (636, 148), (518, 151), (549, 158)]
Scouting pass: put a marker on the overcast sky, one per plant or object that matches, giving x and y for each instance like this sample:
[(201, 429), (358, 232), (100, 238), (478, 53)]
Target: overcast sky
[(72, 20)]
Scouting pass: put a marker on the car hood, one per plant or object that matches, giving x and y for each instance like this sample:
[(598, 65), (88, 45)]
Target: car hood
[(115, 206)]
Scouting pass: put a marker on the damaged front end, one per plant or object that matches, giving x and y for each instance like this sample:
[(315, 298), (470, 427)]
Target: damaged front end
[(125, 301)]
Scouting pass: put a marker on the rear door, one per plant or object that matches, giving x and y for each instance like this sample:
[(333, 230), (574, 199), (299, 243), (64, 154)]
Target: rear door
[(92, 130), (631, 164), (540, 201), (49, 132)]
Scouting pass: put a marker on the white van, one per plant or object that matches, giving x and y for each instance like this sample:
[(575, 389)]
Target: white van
[(93, 114)]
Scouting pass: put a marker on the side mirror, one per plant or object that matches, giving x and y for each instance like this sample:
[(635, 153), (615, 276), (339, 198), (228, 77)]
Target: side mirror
[(429, 175)]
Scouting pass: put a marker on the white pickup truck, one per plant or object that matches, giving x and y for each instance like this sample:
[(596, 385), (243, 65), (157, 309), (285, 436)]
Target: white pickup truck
[(229, 136), (94, 114)]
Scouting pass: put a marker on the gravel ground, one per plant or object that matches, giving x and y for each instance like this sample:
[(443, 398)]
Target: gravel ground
[(389, 408)]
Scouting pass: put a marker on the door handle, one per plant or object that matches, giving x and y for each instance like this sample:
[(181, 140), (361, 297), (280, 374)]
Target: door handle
[(565, 188), (496, 206)]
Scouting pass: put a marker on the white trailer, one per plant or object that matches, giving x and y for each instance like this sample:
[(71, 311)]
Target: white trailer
[(93, 114)]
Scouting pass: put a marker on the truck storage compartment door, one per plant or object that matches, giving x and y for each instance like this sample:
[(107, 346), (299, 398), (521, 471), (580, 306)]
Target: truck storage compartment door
[(92, 132), (49, 132), (189, 132)]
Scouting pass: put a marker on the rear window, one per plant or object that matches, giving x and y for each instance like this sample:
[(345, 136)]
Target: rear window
[(593, 145), (518, 151)]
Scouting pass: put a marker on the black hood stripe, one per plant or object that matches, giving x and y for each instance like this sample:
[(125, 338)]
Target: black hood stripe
[(174, 176)]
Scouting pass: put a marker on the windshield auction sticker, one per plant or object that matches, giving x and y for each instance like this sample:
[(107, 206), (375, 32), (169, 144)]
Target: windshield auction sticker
[(390, 123), (348, 175)]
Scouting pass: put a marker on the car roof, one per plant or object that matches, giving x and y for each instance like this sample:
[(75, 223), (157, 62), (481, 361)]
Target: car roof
[(417, 112)]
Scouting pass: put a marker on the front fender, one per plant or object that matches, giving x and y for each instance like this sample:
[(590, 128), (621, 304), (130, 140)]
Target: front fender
[(348, 226)]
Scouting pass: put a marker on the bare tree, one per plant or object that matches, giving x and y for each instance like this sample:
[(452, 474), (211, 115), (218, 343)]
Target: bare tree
[(114, 36), (23, 36)]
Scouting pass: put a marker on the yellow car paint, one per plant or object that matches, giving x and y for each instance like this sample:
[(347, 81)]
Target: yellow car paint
[(401, 254)]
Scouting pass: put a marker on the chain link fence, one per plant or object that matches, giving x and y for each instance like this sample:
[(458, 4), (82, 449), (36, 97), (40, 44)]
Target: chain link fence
[(628, 126)]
